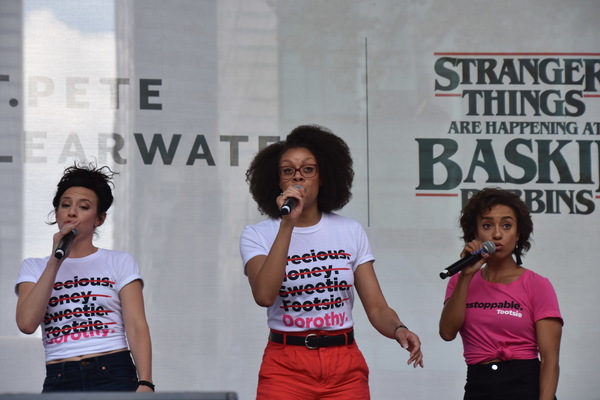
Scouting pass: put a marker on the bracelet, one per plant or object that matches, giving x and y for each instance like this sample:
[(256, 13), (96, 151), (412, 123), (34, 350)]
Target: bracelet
[(398, 327), (146, 383)]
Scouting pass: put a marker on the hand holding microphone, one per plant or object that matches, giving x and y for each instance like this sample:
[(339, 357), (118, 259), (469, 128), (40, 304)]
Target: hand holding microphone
[(65, 244), (289, 203), (487, 247)]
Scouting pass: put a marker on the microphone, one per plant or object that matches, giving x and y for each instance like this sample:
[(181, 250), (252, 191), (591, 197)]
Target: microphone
[(289, 203), (64, 244), (488, 247)]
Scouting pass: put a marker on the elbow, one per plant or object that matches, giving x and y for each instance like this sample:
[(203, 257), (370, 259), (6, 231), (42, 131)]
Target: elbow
[(263, 297), (27, 322), (28, 329), (449, 327), (447, 336), (264, 300)]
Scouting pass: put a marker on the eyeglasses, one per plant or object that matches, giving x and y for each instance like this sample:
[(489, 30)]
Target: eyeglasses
[(307, 171)]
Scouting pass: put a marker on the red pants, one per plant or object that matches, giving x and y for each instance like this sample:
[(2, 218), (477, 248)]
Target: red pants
[(298, 373)]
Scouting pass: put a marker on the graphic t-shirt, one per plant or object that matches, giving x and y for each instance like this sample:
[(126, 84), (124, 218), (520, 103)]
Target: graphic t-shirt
[(500, 319), (317, 292), (84, 310)]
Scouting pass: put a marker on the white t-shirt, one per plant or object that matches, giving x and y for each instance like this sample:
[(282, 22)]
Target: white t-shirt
[(317, 292), (84, 311)]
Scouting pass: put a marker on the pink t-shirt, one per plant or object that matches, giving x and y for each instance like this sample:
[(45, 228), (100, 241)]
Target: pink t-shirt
[(500, 319)]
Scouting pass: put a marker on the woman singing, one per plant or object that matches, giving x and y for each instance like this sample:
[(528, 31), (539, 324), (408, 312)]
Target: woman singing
[(305, 267), (506, 314), (87, 300)]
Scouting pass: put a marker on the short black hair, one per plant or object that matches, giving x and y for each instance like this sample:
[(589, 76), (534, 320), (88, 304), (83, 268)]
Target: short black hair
[(97, 179), (333, 158), (482, 201)]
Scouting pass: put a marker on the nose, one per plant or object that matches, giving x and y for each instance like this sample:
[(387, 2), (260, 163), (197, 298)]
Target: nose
[(72, 210), (497, 233), (298, 176)]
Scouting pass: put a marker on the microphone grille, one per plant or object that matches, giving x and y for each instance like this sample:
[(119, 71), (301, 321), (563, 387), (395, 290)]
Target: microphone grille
[(489, 247)]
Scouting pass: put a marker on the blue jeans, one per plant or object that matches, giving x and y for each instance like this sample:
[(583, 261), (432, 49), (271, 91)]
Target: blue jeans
[(113, 372)]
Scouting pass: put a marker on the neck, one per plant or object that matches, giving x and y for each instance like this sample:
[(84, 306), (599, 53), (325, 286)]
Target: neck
[(502, 271), (505, 263), (309, 217), (82, 250)]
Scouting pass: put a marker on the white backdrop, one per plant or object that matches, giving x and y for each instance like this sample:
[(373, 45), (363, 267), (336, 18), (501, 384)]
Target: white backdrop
[(178, 96)]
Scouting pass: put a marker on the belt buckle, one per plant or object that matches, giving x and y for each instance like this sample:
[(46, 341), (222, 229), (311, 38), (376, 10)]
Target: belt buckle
[(306, 341)]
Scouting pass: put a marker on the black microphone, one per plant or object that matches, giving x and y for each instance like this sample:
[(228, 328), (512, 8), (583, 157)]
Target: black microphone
[(64, 244), (488, 247), (289, 203)]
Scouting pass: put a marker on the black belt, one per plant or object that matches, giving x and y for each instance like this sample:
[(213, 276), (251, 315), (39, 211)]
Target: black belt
[(313, 341)]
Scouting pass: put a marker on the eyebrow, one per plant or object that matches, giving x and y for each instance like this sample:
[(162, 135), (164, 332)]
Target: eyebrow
[(502, 218), (70, 198), (304, 160), (289, 163)]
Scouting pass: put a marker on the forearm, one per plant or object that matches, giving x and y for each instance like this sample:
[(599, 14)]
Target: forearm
[(267, 281), (385, 320), (141, 350), (453, 313), (452, 319), (548, 334), (33, 299), (549, 371)]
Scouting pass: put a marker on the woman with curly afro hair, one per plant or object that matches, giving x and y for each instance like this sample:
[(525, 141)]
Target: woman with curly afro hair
[(304, 264), (506, 315)]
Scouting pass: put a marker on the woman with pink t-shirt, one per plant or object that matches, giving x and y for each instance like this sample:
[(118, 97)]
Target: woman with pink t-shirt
[(508, 316)]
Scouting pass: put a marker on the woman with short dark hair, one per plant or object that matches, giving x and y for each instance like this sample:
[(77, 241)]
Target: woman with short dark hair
[(87, 300), (506, 315)]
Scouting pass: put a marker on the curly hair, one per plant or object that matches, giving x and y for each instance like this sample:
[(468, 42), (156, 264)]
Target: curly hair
[(483, 201), (333, 158), (97, 179)]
